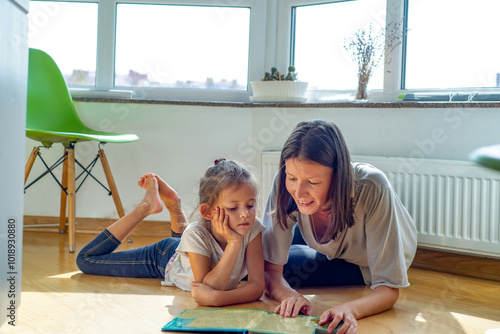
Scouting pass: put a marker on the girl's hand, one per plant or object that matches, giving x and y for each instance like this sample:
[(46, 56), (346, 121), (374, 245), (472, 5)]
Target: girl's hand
[(291, 307), (203, 294), (337, 314), (220, 223)]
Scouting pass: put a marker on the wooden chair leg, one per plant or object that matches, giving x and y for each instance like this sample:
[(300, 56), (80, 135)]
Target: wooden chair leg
[(112, 187), (64, 197), (111, 183), (71, 197), (30, 162)]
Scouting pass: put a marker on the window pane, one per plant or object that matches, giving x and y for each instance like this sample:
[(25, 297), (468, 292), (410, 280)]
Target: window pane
[(182, 46), (453, 44), (67, 31), (320, 32)]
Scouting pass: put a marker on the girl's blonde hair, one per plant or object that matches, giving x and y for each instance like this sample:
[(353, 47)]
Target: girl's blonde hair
[(224, 174)]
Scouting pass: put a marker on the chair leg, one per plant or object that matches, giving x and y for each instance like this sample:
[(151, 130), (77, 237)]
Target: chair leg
[(64, 197), (71, 196), (112, 186), (111, 183), (30, 162)]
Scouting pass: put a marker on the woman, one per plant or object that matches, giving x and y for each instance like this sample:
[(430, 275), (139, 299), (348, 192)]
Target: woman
[(356, 229)]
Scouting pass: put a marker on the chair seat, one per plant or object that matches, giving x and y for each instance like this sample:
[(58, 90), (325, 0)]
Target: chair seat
[(49, 137), (488, 156)]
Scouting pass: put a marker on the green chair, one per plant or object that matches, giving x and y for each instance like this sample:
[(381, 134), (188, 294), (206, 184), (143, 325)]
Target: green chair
[(488, 156), (51, 118)]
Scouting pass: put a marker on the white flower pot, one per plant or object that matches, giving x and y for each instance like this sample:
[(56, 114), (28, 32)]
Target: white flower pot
[(279, 91)]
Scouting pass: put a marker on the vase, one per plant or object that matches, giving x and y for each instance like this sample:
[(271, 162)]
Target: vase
[(362, 94)]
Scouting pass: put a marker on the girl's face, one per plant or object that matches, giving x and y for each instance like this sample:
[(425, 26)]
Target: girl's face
[(239, 204), (308, 182)]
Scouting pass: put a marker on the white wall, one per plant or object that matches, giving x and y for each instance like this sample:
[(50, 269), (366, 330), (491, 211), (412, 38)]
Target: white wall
[(179, 142), (13, 80)]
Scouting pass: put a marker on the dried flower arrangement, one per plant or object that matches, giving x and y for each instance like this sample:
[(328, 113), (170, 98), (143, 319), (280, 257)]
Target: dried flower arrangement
[(369, 47)]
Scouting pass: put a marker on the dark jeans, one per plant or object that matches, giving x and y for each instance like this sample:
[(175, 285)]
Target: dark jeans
[(308, 268), (97, 258)]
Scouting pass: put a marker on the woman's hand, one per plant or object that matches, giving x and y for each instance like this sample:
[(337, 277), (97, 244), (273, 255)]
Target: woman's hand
[(220, 223), (290, 307), (203, 294), (336, 315)]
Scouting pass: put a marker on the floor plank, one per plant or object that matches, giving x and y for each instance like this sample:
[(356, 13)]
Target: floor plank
[(57, 298)]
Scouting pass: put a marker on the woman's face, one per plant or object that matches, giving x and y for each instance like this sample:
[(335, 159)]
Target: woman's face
[(308, 182)]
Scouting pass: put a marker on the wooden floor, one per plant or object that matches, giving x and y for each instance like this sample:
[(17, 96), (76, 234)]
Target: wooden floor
[(57, 298)]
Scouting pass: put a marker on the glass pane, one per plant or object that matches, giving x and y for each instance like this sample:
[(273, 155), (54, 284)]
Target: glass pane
[(320, 32), (182, 46), (453, 44), (67, 31)]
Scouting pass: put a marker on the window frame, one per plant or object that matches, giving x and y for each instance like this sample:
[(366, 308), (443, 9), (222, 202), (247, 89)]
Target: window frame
[(105, 57), (393, 72), (487, 91), (270, 45)]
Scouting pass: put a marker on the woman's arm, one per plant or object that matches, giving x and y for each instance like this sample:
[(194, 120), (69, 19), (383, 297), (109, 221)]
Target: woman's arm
[(381, 299), (206, 295), (291, 302)]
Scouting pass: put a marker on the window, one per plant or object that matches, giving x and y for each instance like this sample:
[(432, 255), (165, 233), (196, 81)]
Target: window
[(320, 31), (453, 44), (209, 50), (205, 50), (68, 32), (182, 46)]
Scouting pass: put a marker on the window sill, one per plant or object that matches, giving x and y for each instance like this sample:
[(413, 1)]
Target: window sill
[(376, 105)]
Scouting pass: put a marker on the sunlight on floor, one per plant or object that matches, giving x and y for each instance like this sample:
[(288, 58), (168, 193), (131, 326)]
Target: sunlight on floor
[(493, 331), (467, 321), (420, 318), (65, 275)]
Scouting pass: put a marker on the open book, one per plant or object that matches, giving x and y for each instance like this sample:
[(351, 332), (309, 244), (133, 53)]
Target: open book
[(242, 321)]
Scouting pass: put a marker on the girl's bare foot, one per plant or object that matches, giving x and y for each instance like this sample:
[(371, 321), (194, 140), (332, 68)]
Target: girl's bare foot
[(151, 202), (167, 194)]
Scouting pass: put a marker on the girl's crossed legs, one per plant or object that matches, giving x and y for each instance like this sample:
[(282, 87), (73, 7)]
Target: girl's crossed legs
[(97, 257)]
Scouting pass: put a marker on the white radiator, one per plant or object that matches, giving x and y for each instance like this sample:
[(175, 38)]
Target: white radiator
[(455, 204)]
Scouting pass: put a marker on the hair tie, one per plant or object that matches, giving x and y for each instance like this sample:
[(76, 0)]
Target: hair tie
[(216, 161)]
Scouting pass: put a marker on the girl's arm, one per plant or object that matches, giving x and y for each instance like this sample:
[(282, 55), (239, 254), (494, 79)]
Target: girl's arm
[(219, 276), (382, 298), (205, 295)]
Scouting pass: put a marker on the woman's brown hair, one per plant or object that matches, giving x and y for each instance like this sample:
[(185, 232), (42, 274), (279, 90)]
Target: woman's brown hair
[(321, 142)]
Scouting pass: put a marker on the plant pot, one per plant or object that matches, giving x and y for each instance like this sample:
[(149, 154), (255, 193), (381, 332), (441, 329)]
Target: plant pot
[(279, 91)]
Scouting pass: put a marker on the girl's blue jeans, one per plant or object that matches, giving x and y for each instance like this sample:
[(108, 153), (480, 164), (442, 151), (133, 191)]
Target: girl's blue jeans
[(308, 268), (97, 258)]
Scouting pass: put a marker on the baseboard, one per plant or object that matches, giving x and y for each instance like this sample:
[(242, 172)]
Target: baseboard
[(96, 225), (459, 264)]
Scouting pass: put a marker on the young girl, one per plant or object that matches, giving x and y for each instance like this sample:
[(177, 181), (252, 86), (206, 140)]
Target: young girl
[(213, 254)]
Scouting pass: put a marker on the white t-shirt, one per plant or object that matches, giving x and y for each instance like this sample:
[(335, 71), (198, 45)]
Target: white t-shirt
[(382, 242), (198, 239)]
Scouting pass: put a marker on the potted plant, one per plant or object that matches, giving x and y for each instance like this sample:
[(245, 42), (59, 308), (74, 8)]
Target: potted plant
[(278, 87)]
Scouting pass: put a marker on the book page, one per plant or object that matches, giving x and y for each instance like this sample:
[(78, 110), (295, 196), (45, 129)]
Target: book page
[(253, 320)]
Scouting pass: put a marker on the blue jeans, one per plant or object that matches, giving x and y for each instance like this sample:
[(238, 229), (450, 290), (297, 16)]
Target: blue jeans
[(308, 268), (97, 258)]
